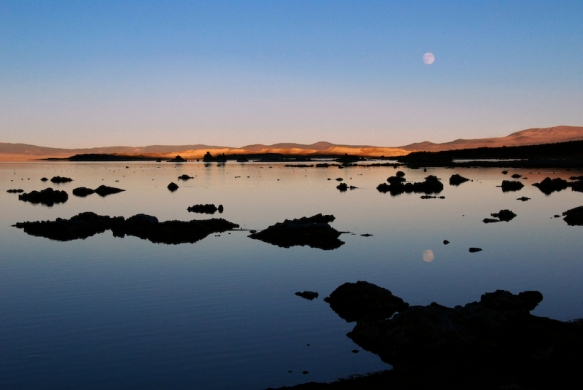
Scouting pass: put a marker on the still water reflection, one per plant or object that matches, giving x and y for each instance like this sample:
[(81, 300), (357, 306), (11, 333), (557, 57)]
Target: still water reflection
[(107, 312)]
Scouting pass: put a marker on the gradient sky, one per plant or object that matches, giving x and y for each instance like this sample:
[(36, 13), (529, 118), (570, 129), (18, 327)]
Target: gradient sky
[(103, 73)]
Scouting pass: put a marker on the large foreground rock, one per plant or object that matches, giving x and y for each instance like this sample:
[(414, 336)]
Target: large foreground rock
[(314, 232), (364, 300), (48, 197), (143, 226)]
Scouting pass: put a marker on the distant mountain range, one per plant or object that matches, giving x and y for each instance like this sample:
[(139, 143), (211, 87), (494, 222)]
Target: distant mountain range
[(10, 151)]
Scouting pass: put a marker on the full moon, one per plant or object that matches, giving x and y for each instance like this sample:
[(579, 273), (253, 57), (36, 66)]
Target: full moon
[(428, 58)]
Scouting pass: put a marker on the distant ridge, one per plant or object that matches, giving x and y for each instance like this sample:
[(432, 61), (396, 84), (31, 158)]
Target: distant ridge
[(534, 136)]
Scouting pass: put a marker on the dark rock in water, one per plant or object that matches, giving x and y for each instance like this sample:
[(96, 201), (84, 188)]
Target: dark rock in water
[(143, 226), (524, 199), (577, 186), (339, 179), (310, 295), (82, 191), (516, 176), (172, 186), (364, 300), (81, 226), (60, 179), (504, 172), (366, 235), (48, 197), (474, 250), (344, 187), (396, 179), (456, 180), (504, 215), (106, 190), (400, 174), (574, 216), (177, 159), (44, 179), (102, 190), (205, 208), (445, 242), (429, 186), (548, 185), (313, 232), (497, 326), (185, 177), (509, 185), (15, 191), (490, 220)]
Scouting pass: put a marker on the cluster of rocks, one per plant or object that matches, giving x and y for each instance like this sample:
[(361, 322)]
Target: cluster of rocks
[(503, 215), (205, 208), (102, 190), (397, 185), (548, 185), (314, 232), (47, 197), (143, 226)]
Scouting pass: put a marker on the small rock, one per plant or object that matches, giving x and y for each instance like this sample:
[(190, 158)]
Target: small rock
[(473, 250), (524, 199), (445, 242), (172, 186), (309, 295)]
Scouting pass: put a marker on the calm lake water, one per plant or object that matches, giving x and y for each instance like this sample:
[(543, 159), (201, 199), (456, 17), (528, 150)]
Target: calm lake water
[(124, 313)]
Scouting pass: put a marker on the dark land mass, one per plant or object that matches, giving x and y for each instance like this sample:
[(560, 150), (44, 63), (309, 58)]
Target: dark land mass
[(493, 343), (143, 226), (562, 154), (314, 232)]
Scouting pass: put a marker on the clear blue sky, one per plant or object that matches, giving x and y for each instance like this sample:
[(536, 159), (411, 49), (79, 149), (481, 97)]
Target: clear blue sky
[(100, 73)]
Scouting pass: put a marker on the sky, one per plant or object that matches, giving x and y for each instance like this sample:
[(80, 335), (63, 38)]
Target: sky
[(106, 73)]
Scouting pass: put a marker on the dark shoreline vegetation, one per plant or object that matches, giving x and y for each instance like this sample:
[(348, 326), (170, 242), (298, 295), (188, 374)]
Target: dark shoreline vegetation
[(493, 343)]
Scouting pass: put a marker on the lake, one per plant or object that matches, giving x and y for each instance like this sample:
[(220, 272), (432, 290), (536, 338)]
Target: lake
[(124, 313)]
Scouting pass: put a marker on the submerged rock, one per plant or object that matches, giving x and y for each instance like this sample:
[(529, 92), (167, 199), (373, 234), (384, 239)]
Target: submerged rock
[(314, 232), (48, 197), (574, 217), (60, 179), (364, 300), (548, 185), (143, 226), (456, 180), (309, 295), (510, 185), (205, 208)]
